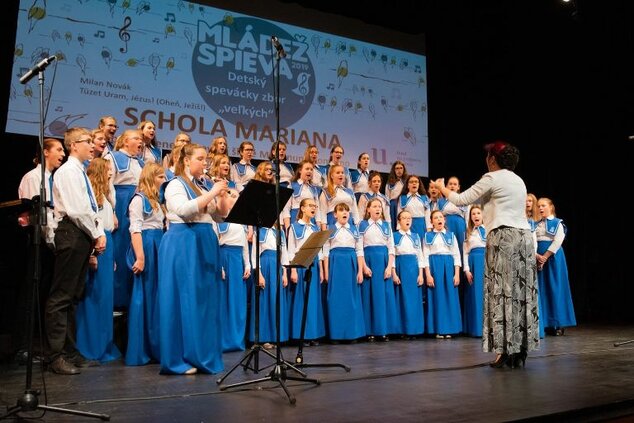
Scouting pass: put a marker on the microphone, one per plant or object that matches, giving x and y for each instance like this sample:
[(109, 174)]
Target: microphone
[(278, 46), (36, 69)]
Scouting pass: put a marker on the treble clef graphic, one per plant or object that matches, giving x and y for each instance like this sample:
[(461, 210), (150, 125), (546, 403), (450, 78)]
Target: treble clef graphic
[(124, 35), (303, 87)]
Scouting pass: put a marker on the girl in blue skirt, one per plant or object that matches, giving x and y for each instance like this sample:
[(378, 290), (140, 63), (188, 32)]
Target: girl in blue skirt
[(395, 182), (94, 312), (442, 265), (473, 266), (343, 264), (379, 304), (374, 191), (408, 277), (299, 232), (190, 269), (302, 189), (147, 221), (268, 289), (126, 166), (335, 193), (414, 199), (557, 311)]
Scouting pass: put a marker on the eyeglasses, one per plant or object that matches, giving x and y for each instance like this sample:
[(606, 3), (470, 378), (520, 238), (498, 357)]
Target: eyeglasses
[(89, 141)]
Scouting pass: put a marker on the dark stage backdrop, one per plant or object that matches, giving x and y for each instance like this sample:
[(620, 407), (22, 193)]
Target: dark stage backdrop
[(555, 79)]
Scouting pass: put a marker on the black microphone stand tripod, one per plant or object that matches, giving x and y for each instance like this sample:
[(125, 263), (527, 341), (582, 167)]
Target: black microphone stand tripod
[(29, 400), (279, 372)]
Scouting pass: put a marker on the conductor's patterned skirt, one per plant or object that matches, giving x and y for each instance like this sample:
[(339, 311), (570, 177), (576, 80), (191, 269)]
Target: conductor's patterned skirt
[(510, 292)]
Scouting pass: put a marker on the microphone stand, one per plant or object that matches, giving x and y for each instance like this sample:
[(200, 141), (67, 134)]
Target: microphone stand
[(29, 400), (279, 372)]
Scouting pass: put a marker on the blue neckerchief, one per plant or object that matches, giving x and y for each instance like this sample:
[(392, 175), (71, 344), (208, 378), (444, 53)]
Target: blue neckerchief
[(191, 194), (355, 175), (413, 236), (223, 227), (447, 237), (352, 229), (50, 187), (93, 203), (297, 190), (242, 168), (532, 224), (553, 224), (405, 199), (264, 232), (482, 232), (156, 152), (122, 161), (344, 189), (384, 226), (299, 229), (147, 207)]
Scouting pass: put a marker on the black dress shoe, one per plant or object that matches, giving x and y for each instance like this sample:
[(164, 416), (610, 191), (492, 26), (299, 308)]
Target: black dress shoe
[(63, 367), (22, 357), (314, 343), (384, 338), (501, 361)]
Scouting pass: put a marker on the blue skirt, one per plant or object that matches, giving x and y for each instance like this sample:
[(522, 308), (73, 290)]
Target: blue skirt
[(143, 315), (268, 298), (121, 241), (379, 303), (472, 314), (189, 292), (554, 290), (315, 326), (409, 296), (443, 305), (233, 299), (94, 312), (345, 309)]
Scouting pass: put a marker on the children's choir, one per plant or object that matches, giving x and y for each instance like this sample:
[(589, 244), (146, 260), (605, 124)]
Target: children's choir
[(138, 232)]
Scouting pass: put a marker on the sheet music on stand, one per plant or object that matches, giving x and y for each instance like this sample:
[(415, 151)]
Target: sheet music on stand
[(306, 254)]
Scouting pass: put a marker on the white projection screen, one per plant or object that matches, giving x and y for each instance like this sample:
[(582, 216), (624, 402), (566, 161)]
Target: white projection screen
[(208, 72)]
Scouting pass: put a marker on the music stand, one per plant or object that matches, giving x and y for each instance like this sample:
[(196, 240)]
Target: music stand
[(255, 207), (304, 259)]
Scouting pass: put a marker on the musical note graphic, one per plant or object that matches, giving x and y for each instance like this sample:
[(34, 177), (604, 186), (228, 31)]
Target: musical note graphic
[(302, 87), (59, 109), (170, 17), (331, 86), (100, 34), (156, 40), (124, 35), (417, 69)]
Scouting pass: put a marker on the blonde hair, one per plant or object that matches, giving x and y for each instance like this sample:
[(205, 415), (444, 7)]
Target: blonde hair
[(215, 164), (146, 183), (331, 185), (73, 134), (259, 171), (179, 170), (307, 154), (550, 203), (533, 213), (128, 133), (470, 225), (98, 174)]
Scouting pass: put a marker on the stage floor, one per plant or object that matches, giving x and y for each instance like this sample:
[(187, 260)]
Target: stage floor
[(577, 377)]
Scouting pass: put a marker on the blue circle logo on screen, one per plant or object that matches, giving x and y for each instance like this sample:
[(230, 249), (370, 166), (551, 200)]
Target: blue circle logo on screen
[(232, 66)]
